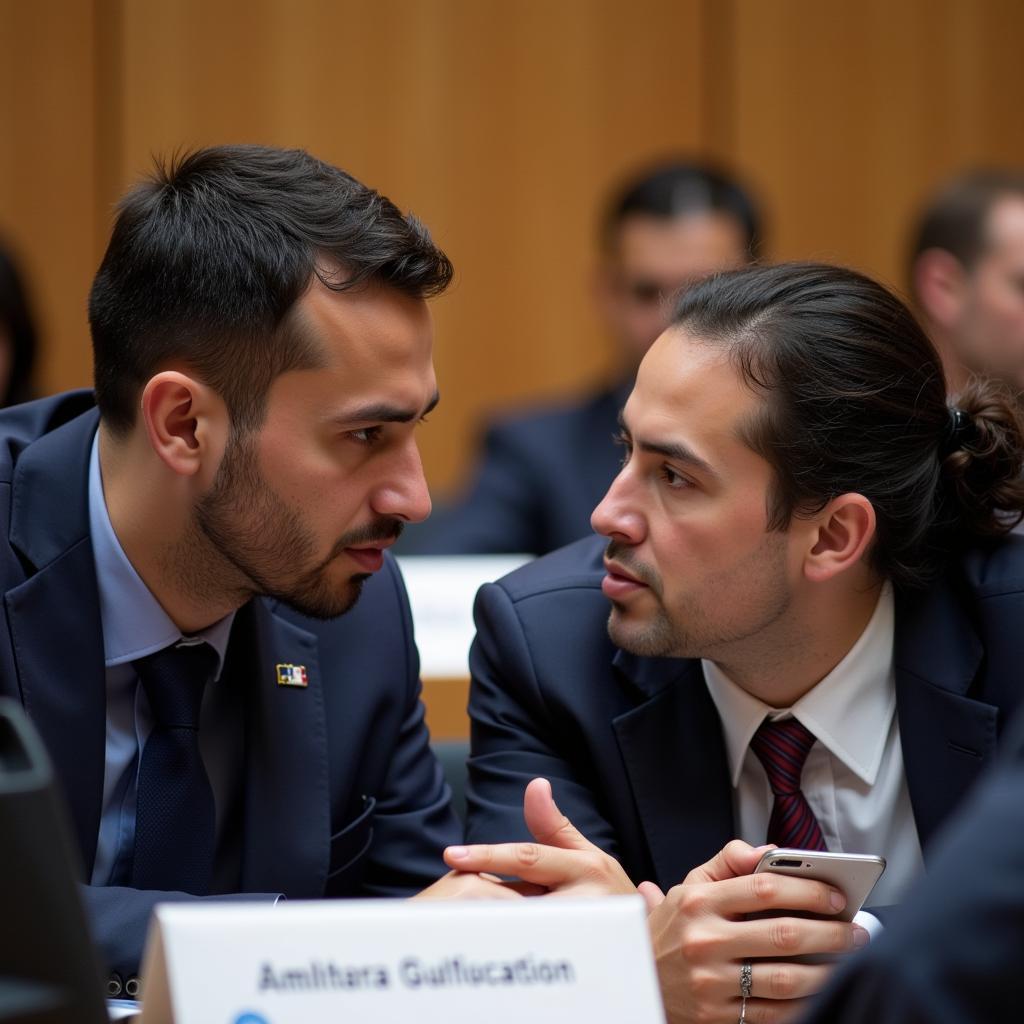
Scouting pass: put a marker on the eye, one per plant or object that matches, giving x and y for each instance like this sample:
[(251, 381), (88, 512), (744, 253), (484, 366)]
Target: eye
[(673, 479), (366, 435)]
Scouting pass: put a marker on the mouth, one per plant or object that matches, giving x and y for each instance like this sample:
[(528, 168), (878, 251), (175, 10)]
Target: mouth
[(619, 584), (369, 557)]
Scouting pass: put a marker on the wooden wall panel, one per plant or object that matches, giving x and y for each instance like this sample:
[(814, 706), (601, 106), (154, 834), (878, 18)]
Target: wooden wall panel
[(501, 124), (849, 114), (48, 172)]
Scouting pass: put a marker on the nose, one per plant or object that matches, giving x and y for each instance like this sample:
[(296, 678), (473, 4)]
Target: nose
[(404, 494), (618, 515)]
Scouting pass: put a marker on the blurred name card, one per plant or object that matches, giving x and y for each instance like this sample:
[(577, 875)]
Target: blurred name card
[(382, 961), (441, 592)]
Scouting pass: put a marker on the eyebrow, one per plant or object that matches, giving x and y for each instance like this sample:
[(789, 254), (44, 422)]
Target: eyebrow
[(381, 412), (675, 450)]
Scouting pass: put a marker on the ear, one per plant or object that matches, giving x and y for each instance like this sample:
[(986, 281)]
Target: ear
[(845, 528), (940, 282), (186, 421)]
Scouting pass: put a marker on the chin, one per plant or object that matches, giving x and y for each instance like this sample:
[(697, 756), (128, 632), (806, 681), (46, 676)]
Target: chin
[(621, 635), (323, 603), (647, 639)]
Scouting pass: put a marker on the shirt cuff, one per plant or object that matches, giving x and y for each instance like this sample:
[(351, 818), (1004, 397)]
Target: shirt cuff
[(869, 923)]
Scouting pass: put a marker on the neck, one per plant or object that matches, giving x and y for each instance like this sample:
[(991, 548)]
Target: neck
[(150, 510), (811, 639)]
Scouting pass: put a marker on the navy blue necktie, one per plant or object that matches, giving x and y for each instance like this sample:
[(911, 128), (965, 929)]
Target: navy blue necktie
[(782, 747), (174, 815)]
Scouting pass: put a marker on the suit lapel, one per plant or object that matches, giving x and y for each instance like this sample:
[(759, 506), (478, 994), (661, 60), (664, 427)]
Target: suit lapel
[(54, 620), (675, 758), (287, 797), (947, 736), (57, 638)]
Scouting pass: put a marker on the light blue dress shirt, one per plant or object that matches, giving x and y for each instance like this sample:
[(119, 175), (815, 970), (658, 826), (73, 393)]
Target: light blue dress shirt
[(134, 625)]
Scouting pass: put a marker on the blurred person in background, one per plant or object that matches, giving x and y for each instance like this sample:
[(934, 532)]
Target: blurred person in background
[(542, 471), (967, 276), (17, 334)]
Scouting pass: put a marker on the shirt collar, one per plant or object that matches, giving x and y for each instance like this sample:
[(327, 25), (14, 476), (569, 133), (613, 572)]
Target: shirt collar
[(849, 711), (134, 623)]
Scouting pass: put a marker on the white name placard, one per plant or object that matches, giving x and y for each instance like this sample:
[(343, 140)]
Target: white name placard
[(441, 593), (380, 961)]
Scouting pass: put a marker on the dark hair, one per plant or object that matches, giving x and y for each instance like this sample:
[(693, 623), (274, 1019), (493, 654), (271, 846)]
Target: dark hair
[(209, 256), (956, 219), (856, 402), (16, 321), (678, 189)]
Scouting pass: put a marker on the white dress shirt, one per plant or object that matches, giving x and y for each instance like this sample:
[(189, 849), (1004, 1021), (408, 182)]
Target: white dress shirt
[(853, 778)]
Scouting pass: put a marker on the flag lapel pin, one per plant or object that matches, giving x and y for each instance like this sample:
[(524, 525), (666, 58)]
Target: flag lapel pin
[(292, 675)]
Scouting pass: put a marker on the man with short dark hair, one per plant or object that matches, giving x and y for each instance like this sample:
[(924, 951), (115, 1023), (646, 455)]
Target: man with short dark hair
[(800, 626), (967, 275), (201, 615), (542, 471)]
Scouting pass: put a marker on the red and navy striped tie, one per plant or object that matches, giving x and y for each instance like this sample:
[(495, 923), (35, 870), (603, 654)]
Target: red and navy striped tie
[(782, 747)]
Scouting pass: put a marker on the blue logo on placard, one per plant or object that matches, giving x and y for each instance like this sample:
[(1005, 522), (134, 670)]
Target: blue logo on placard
[(250, 1018)]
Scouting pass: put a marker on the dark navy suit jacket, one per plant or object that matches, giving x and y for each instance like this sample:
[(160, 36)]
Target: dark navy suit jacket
[(342, 796), (540, 476), (634, 747), (953, 952)]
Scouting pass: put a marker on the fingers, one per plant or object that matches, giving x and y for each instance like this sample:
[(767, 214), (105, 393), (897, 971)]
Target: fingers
[(547, 824), (763, 892), (776, 937), (542, 865), (653, 896), (784, 982), (724, 914), (562, 859), (736, 858), (459, 886), (770, 982), (768, 1011), (525, 888), (490, 891)]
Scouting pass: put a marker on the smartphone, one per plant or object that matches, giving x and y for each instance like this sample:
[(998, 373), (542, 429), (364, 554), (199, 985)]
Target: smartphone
[(854, 874)]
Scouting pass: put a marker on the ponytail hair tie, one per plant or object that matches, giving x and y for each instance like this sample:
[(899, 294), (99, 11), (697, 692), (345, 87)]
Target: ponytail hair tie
[(959, 431)]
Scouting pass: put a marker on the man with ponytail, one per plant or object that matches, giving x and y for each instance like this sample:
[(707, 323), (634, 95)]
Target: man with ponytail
[(801, 625)]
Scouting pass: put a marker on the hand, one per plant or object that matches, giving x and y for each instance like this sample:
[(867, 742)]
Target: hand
[(562, 861), (701, 937), (458, 885)]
